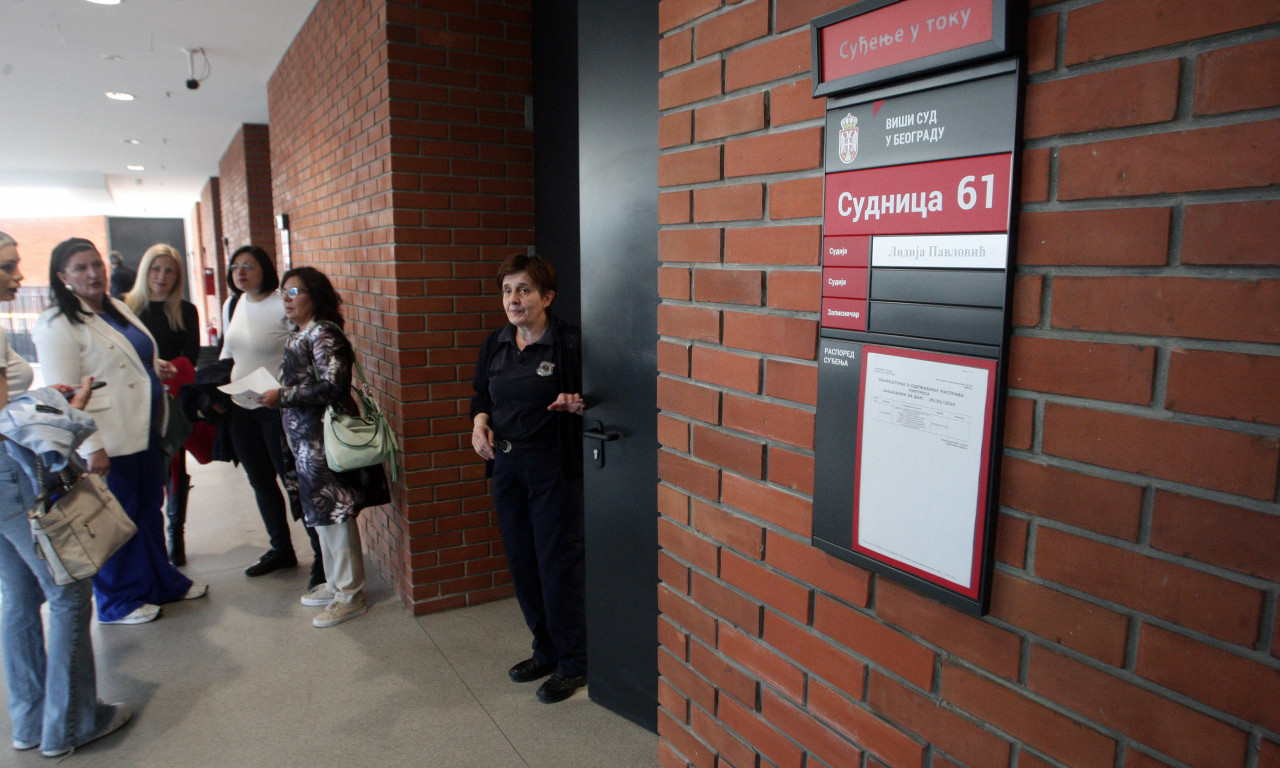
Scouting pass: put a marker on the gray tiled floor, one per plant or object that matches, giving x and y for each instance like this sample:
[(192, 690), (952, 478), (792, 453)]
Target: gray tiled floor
[(243, 679)]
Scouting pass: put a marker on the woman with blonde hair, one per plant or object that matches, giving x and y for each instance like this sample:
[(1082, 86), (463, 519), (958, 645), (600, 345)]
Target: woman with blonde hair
[(157, 300)]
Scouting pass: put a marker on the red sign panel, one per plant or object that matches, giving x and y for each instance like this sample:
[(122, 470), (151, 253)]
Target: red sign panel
[(970, 194), (845, 283), (902, 32), (846, 251), (845, 314)]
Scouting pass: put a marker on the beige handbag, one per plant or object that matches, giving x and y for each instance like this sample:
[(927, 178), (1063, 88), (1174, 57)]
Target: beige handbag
[(76, 533)]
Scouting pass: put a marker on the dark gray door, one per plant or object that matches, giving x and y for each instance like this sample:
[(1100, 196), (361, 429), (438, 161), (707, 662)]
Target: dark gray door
[(618, 177)]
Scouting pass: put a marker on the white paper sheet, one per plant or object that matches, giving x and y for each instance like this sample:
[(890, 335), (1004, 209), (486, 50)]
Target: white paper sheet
[(920, 462), (246, 390)]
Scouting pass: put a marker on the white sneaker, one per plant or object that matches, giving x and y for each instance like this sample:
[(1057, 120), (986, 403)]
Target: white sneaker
[(196, 591), (123, 712), (140, 615), (338, 612), (318, 595)]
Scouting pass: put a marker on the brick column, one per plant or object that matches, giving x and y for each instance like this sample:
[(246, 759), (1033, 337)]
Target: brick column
[(406, 170), (245, 190)]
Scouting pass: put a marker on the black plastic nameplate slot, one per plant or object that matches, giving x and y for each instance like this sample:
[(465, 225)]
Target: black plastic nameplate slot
[(971, 324), (984, 288)]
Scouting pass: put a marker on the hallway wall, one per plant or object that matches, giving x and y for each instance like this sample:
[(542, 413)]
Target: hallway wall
[(37, 237), (244, 188), (209, 254), (401, 154), (1134, 613)]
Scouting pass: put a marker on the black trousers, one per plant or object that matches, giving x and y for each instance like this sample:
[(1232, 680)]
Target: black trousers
[(258, 438), (540, 516)]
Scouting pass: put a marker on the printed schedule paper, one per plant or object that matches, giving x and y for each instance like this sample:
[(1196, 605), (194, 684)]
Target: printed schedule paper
[(921, 472), (246, 390)]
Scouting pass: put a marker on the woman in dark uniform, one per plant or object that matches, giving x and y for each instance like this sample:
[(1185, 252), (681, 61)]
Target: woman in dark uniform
[(527, 423)]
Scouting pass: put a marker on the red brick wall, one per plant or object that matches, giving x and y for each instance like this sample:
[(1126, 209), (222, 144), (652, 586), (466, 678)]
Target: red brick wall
[(1134, 611), (37, 237), (406, 169), (244, 174)]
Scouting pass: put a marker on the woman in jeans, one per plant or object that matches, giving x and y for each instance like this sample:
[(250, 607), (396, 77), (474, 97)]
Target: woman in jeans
[(53, 689), (256, 331)]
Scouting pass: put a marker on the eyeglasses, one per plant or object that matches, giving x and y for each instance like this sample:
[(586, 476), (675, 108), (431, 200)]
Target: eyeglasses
[(291, 292), (244, 266)]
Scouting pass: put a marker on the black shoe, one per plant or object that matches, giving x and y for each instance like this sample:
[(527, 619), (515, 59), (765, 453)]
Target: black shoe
[(317, 575), (559, 687), (177, 552), (273, 560), (529, 670)]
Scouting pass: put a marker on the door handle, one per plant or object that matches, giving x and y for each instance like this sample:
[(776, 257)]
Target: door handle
[(600, 436)]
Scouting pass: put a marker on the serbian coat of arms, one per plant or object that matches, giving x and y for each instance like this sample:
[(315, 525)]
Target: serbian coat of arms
[(848, 138)]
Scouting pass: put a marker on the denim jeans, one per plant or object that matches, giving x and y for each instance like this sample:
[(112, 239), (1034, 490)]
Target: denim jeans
[(52, 699)]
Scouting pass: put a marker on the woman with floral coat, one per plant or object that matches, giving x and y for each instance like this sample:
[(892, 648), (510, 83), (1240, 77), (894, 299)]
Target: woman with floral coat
[(314, 374)]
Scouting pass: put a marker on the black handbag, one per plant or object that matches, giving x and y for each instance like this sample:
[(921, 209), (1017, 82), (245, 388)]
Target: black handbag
[(177, 429)]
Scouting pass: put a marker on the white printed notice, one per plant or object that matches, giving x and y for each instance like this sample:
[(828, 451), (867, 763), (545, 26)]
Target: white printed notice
[(921, 474), (246, 390), (941, 251)]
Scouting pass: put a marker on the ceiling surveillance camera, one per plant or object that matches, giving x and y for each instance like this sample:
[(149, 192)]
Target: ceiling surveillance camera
[(194, 78)]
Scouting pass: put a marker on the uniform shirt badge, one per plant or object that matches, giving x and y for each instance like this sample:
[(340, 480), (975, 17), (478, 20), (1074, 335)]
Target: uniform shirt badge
[(546, 368)]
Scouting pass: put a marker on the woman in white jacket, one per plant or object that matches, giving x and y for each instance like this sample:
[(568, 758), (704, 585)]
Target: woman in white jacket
[(88, 333)]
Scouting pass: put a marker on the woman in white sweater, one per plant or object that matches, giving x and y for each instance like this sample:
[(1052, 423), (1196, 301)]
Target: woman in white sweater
[(254, 337)]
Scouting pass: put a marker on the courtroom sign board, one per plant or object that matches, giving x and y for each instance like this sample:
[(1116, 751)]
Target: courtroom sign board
[(917, 246), (876, 41)]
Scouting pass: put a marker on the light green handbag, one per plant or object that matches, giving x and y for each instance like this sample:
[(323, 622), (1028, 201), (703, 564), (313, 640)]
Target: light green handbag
[(354, 441)]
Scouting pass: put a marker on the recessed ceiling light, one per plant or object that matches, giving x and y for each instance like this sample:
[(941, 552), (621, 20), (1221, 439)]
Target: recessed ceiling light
[(105, 2), (119, 96), (112, 57), (131, 141), (136, 167)]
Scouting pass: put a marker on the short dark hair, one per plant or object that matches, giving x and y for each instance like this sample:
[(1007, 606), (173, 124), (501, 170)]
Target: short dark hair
[(326, 304), (60, 295), (270, 278), (540, 271)]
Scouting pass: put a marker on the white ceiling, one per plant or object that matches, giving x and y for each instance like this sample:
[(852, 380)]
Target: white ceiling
[(62, 142)]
